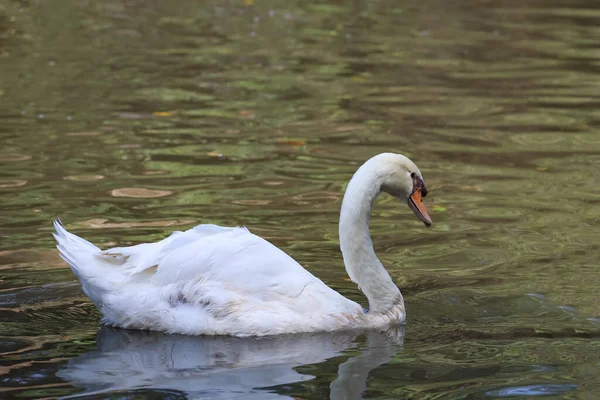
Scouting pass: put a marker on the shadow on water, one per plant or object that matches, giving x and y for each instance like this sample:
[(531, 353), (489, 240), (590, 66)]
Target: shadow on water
[(227, 367)]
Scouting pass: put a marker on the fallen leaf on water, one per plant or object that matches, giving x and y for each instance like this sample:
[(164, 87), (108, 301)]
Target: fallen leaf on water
[(439, 208), (252, 202), (290, 142), (155, 172), (12, 183), (214, 154), (139, 193), (541, 169), (246, 113), (83, 178), (162, 114)]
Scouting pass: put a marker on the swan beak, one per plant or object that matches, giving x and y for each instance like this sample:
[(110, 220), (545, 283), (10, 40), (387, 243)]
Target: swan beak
[(415, 202)]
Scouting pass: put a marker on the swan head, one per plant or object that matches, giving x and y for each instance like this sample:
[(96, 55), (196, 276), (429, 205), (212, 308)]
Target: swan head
[(402, 179)]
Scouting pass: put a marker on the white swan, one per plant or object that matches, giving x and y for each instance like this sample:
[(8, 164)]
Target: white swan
[(226, 281)]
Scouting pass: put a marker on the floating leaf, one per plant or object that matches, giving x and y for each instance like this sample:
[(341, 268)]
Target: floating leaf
[(140, 193), (83, 178), (214, 154), (290, 142), (542, 169), (12, 183), (252, 202), (439, 208), (162, 114), (155, 172)]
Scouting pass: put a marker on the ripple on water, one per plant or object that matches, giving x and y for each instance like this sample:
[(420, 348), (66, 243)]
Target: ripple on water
[(533, 390), (77, 134), (497, 105), (496, 213), (542, 140), (12, 157), (100, 223), (12, 344)]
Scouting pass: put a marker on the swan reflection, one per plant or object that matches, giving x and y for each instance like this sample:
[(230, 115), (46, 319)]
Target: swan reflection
[(225, 367)]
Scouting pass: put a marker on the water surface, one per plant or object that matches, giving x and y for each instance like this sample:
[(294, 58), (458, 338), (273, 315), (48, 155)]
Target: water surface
[(130, 119)]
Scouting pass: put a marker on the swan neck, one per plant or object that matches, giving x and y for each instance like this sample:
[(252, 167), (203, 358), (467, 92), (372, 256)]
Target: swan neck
[(361, 262)]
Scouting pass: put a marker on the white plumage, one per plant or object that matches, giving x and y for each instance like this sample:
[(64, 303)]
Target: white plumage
[(227, 281)]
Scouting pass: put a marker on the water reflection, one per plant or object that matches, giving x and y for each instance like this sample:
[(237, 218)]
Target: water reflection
[(226, 367), (132, 119), (532, 390)]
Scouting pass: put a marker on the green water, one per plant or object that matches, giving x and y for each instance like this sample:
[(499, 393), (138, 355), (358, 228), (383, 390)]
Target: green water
[(130, 119)]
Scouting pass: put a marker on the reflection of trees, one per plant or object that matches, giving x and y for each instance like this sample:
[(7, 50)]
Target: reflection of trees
[(4, 32)]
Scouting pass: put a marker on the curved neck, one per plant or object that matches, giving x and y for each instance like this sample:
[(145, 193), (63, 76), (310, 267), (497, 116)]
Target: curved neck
[(362, 265)]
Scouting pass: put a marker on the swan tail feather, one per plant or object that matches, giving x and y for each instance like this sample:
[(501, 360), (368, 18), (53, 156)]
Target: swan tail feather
[(77, 252), (96, 275)]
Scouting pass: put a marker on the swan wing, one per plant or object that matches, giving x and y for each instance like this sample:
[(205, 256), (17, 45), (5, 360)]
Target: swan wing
[(234, 257)]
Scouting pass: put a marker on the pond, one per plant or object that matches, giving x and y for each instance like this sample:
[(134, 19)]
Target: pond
[(129, 119)]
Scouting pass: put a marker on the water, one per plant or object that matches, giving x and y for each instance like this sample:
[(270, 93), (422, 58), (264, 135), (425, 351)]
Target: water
[(132, 119)]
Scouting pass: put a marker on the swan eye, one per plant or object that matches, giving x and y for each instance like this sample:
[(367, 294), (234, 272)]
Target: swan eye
[(412, 175)]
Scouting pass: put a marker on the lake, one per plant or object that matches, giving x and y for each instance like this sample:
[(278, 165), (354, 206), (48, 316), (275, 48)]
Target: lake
[(129, 119)]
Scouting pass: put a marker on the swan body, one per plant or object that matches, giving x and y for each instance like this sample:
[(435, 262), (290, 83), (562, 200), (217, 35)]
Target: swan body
[(212, 280)]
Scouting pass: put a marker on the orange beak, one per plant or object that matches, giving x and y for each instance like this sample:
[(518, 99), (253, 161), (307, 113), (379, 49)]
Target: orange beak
[(415, 202)]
